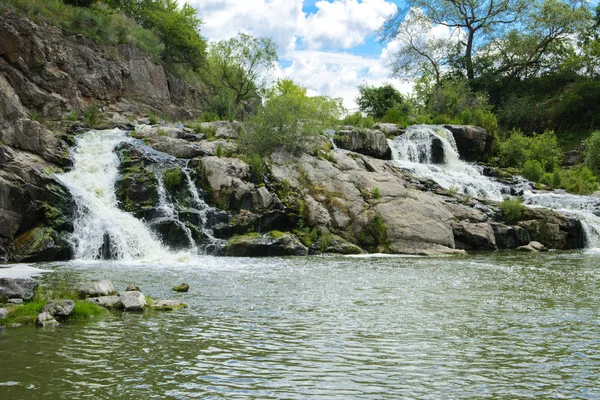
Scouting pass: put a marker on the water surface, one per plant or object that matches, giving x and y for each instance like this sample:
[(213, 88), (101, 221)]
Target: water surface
[(495, 325)]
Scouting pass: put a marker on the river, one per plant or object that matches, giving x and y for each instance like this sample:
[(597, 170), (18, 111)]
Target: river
[(494, 325)]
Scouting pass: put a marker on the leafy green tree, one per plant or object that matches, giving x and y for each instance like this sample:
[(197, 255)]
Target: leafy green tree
[(178, 27), (592, 151), (376, 101), (477, 20), (241, 64), (422, 52)]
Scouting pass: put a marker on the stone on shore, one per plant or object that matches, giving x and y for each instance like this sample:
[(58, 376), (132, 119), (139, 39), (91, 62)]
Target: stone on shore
[(96, 289), (111, 302), (133, 301), (46, 319), (3, 313), (17, 288), (532, 247), (59, 308)]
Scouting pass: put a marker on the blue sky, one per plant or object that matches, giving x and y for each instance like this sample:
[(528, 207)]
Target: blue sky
[(329, 46)]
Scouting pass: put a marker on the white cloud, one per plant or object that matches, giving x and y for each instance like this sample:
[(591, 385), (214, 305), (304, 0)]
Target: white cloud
[(318, 45)]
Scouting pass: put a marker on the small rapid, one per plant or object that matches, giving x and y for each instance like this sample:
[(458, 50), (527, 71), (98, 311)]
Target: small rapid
[(430, 152)]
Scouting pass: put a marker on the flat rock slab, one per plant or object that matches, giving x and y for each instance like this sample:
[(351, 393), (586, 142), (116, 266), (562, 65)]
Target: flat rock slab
[(133, 301), (59, 308), (46, 319), (113, 302), (17, 288), (167, 305), (96, 289)]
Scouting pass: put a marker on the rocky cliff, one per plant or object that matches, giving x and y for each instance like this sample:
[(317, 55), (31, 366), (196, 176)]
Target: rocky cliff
[(342, 201)]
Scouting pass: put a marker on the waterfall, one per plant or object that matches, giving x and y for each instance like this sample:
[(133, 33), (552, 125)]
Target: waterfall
[(200, 208), (101, 229), (430, 152)]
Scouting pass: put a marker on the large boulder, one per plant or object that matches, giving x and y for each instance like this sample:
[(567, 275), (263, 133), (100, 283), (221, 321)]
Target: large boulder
[(473, 143), (510, 237), (268, 245), (133, 301), (390, 130), (97, 289), (17, 288), (553, 230), (59, 308), (228, 180), (474, 236), (368, 142)]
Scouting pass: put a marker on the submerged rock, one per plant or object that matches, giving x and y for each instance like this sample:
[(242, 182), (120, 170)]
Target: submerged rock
[(59, 308), (46, 319), (17, 288), (167, 305), (96, 289), (184, 287), (133, 301), (532, 247), (111, 302), (269, 245)]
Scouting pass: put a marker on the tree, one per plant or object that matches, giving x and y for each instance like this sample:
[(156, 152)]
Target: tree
[(241, 64), (545, 40), (177, 27), (477, 19), (376, 101), (422, 52)]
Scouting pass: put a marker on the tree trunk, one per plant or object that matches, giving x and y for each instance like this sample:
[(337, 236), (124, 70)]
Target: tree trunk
[(469, 55)]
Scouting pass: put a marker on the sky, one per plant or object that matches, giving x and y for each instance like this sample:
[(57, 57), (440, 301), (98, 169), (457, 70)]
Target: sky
[(329, 46)]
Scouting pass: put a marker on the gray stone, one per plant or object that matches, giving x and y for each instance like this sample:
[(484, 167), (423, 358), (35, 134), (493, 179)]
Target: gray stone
[(167, 305), (261, 198), (59, 308), (17, 288), (112, 302), (368, 142), (474, 236), (46, 319), (473, 143), (133, 288), (532, 247), (96, 289), (3, 313), (390, 129), (133, 301)]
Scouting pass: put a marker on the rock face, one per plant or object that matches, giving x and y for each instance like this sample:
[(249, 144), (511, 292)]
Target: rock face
[(269, 245), (553, 230), (474, 236), (17, 288), (473, 143), (53, 73), (368, 142)]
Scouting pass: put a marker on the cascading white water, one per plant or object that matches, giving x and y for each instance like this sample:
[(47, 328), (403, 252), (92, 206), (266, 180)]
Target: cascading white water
[(414, 153), (201, 208), (584, 208), (99, 222), (168, 212)]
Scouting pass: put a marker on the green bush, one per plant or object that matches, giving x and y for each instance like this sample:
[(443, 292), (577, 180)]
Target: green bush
[(512, 208), (532, 170), (517, 148), (91, 115), (172, 178), (579, 180), (358, 120), (592, 151)]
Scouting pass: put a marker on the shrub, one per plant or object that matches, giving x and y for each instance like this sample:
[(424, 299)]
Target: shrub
[(592, 151), (172, 178), (518, 148), (91, 115), (512, 208), (579, 180), (358, 120), (532, 170)]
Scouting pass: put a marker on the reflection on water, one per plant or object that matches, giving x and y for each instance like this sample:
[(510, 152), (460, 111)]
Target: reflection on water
[(499, 326)]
